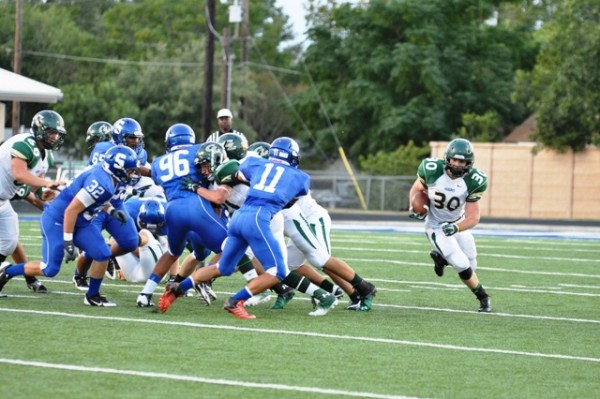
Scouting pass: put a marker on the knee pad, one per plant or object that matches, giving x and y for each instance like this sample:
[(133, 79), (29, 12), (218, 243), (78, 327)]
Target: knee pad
[(225, 272), (466, 274), (129, 245), (50, 270)]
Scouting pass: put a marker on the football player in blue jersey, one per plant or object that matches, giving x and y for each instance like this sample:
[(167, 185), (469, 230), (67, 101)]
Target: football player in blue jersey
[(149, 214), (274, 184), (66, 222), (233, 197), (169, 171), (126, 132)]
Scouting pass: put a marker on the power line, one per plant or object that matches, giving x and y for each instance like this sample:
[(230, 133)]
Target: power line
[(288, 101), (114, 61)]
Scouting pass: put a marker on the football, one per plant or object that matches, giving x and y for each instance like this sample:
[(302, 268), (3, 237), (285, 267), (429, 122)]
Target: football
[(420, 202)]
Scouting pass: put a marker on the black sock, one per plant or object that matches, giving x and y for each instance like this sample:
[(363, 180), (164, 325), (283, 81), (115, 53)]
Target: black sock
[(479, 292), (297, 281), (356, 280), (327, 285)]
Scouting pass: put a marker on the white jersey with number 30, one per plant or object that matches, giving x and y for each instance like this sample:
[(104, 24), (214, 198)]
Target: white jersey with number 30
[(448, 196)]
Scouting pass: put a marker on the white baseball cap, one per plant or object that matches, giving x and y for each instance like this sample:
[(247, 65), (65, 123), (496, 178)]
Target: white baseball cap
[(224, 112)]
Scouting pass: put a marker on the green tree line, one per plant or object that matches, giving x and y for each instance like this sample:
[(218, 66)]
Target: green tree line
[(379, 78)]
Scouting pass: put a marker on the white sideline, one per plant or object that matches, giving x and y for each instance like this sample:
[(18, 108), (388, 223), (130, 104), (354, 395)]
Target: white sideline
[(311, 334), (202, 380)]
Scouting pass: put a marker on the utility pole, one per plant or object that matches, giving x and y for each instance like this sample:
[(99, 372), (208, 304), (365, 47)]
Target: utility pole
[(16, 105), (245, 30), (225, 71), (209, 71), (245, 36)]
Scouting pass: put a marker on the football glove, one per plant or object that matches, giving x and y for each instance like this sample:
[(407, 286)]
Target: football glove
[(413, 215), (450, 228), (189, 184), (70, 251), (118, 214)]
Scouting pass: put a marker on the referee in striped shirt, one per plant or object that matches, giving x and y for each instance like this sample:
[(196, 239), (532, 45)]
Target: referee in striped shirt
[(224, 118)]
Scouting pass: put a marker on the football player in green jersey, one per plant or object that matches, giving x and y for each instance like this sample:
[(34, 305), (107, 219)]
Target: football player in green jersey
[(454, 188), (24, 160)]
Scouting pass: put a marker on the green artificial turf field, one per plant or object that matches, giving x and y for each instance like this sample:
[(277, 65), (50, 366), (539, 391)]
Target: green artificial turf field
[(423, 338)]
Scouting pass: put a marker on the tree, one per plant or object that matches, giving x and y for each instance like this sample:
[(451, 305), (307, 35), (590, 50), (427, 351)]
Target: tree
[(393, 71), (563, 86), (404, 161)]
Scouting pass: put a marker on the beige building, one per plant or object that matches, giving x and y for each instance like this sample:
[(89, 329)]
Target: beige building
[(544, 185)]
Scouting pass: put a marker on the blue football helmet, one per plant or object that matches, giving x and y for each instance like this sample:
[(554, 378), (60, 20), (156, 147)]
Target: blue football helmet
[(178, 136), (122, 163), (151, 215), (286, 150), (126, 128)]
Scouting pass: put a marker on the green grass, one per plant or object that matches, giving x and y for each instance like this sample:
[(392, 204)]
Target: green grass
[(423, 337)]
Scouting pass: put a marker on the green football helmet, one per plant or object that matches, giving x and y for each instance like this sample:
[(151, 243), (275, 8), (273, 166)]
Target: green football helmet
[(261, 148), (212, 153), (97, 132), (235, 144), (46, 122), (459, 149), (225, 174)]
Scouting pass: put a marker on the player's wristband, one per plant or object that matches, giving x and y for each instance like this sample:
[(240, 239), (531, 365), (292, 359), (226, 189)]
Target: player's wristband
[(68, 236)]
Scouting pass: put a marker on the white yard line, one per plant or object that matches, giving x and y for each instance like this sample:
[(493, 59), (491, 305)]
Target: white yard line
[(311, 334), (202, 380)]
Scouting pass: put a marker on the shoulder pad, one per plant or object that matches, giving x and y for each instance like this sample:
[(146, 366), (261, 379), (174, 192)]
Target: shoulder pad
[(430, 170), (477, 183)]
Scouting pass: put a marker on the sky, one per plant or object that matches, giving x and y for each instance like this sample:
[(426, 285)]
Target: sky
[(295, 11)]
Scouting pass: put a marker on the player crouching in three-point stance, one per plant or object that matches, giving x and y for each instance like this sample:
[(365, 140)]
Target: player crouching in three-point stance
[(454, 188)]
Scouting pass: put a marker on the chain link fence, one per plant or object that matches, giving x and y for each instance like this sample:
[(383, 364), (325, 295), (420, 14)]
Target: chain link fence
[(381, 193)]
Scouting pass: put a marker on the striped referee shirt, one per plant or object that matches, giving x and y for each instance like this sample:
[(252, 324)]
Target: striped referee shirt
[(213, 137)]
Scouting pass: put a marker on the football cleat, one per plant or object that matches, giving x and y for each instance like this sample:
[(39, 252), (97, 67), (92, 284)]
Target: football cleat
[(439, 263), (486, 305), (283, 299), (144, 300), (111, 269), (209, 289), (257, 299), (338, 292), (80, 282), (237, 309), (98, 300), (367, 299), (354, 304), (326, 302), (203, 293), (35, 285), (3, 276), (172, 292)]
